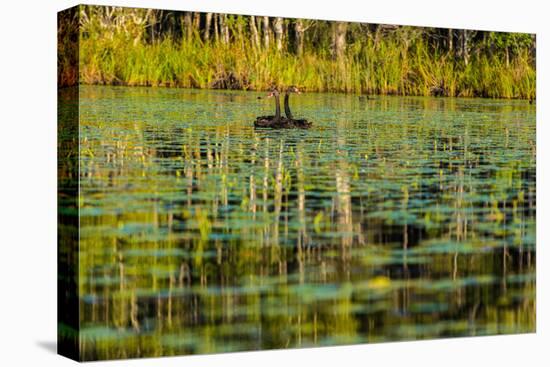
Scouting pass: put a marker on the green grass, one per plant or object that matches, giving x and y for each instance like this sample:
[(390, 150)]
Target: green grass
[(387, 68)]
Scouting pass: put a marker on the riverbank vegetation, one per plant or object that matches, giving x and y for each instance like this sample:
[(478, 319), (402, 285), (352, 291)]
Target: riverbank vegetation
[(145, 47)]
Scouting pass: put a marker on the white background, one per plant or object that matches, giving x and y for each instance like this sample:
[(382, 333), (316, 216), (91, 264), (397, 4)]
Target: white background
[(28, 182)]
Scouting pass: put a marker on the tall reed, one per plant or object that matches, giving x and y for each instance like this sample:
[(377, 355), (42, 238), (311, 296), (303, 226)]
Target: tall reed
[(387, 67)]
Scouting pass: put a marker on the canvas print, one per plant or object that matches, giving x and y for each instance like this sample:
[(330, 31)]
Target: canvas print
[(234, 182)]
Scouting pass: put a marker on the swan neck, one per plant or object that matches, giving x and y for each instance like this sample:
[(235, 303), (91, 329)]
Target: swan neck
[(287, 106), (277, 107)]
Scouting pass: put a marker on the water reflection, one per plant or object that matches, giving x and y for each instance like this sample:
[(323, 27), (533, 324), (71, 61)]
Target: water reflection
[(391, 219)]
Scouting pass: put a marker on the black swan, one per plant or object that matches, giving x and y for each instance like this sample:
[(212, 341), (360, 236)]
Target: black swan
[(299, 123), (277, 121)]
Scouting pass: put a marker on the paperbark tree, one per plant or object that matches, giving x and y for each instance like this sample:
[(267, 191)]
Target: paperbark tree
[(450, 41), (207, 25), (224, 29), (254, 31), (465, 37), (299, 29), (188, 24), (266, 31), (278, 27), (339, 39), (216, 30)]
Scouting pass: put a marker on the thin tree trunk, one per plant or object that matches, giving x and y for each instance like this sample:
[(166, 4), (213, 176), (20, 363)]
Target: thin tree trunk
[(196, 20), (299, 29), (278, 26), (221, 25), (196, 24), (450, 41), (188, 23), (254, 31), (216, 30), (224, 30), (266, 31), (339, 39), (466, 38), (207, 25), (153, 22), (464, 45)]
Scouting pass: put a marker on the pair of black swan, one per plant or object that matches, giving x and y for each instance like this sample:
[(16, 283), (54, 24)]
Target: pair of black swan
[(279, 122)]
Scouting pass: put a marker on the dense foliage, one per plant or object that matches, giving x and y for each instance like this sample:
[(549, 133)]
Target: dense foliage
[(125, 46)]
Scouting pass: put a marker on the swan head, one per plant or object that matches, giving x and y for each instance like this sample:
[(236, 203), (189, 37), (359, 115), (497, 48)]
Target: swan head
[(293, 89), (274, 92)]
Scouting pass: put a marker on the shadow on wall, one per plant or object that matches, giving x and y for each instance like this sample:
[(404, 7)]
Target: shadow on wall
[(48, 345)]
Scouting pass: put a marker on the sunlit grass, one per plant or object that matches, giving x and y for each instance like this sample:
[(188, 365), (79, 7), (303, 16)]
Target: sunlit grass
[(385, 68)]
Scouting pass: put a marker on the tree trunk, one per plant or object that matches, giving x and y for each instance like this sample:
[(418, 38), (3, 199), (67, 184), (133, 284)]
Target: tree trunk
[(221, 25), (224, 29), (450, 41), (266, 31), (299, 29), (339, 39), (465, 44), (188, 23), (254, 31), (208, 23), (278, 27), (216, 30), (196, 20)]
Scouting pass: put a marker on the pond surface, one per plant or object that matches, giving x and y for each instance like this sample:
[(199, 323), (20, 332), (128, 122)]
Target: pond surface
[(391, 219)]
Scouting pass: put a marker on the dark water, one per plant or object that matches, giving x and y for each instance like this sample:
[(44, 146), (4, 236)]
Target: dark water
[(391, 219)]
